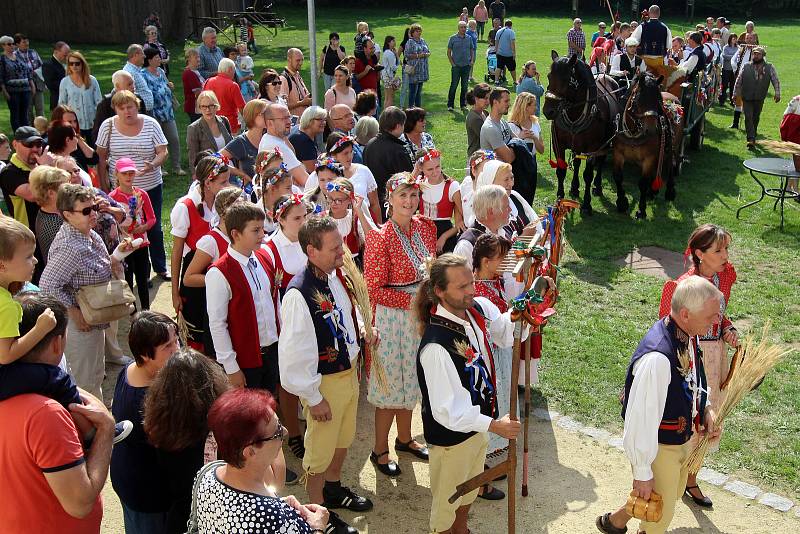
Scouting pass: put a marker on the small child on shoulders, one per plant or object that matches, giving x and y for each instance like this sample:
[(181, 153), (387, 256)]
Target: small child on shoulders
[(244, 73)]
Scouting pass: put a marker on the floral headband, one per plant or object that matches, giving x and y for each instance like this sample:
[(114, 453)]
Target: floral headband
[(332, 187), (488, 156), (342, 141), (270, 177), (431, 154), (262, 165), (296, 199), (217, 169), (406, 179), (327, 162)]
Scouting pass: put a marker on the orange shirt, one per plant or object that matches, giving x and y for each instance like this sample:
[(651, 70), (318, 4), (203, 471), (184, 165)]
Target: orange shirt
[(38, 436), (230, 99)]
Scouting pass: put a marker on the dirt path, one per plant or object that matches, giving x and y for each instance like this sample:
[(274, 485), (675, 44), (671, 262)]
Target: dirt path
[(573, 478)]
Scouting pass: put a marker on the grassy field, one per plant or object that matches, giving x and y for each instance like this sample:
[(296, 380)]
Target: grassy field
[(605, 308)]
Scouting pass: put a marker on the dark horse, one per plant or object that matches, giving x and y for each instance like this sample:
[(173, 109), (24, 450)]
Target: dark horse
[(646, 137), (582, 112)]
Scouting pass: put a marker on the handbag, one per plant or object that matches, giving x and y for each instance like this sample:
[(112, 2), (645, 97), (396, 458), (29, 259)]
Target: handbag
[(409, 69), (650, 510), (105, 302), (191, 524)]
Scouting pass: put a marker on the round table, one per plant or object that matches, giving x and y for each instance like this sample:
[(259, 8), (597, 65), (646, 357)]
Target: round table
[(783, 168)]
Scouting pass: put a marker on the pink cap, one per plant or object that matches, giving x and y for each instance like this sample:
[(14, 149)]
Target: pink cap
[(125, 165)]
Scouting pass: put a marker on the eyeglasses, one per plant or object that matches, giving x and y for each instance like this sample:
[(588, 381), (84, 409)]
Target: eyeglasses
[(87, 210), (339, 200), (280, 118), (280, 433), (74, 63), (207, 106)]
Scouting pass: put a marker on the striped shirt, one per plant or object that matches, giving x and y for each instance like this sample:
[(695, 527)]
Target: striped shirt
[(140, 148)]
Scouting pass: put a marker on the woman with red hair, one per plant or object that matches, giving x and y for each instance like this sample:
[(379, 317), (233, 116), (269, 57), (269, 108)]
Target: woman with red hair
[(239, 489)]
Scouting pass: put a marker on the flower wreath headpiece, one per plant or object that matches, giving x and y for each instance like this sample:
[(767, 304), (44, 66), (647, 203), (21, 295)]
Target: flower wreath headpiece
[(431, 154), (331, 187), (222, 161), (405, 178), (262, 165), (327, 162), (489, 156), (342, 141)]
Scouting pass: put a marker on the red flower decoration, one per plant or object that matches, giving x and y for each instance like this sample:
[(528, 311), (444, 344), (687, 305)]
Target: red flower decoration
[(325, 306), (470, 355)]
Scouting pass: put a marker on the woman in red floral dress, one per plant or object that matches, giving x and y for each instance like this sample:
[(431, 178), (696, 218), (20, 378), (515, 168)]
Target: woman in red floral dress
[(392, 260), (708, 248)]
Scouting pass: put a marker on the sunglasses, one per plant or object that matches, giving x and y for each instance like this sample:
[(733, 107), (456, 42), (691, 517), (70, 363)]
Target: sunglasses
[(74, 63), (275, 83), (87, 210), (280, 433), (32, 144)]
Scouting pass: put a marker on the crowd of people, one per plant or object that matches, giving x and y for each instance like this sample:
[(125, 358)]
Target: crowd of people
[(281, 191)]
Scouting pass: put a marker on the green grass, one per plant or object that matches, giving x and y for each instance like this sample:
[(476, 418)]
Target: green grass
[(605, 309)]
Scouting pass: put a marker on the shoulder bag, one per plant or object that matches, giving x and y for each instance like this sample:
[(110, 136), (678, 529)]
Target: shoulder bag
[(105, 302), (191, 524)]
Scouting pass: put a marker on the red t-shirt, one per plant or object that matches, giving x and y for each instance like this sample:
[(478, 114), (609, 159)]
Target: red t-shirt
[(370, 81), (38, 437), (136, 213), (229, 96)]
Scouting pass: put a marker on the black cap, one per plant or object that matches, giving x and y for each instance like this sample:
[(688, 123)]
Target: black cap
[(27, 134)]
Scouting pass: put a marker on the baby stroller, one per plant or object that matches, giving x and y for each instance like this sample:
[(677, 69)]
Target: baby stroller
[(491, 67)]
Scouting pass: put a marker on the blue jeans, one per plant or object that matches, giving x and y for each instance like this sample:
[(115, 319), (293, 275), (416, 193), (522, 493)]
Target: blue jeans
[(415, 95), (403, 92), (158, 256), (143, 522), (481, 25), (458, 73), (327, 80), (18, 109)]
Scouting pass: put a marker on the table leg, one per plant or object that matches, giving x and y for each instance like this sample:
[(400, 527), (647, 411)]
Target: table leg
[(763, 193), (783, 196)]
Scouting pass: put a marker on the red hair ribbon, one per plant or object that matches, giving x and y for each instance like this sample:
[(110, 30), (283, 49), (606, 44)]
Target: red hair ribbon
[(431, 154)]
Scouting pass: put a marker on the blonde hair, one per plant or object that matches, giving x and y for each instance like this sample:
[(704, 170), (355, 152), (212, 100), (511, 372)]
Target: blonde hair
[(252, 110), (518, 115), (414, 27), (225, 198), (85, 70), (692, 293), (13, 234), (44, 179), (189, 53), (123, 98), (209, 95), (361, 26)]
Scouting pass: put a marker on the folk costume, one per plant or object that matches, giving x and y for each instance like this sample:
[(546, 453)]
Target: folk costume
[(715, 352), (392, 261), (438, 205), (321, 366), (240, 287), (494, 291), (191, 219), (664, 404), (215, 243), (352, 234), (457, 378), (287, 257)]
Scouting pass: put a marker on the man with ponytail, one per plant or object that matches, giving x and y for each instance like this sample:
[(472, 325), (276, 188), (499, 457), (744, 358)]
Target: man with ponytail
[(457, 378)]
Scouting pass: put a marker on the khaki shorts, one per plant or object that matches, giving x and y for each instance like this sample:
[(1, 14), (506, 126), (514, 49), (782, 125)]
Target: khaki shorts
[(323, 438), (449, 467)]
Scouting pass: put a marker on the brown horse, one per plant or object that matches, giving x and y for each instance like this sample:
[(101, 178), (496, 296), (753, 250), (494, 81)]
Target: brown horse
[(646, 136), (582, 114)]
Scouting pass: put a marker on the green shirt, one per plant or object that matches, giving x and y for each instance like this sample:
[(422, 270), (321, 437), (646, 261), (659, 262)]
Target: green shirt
[(10, 315)]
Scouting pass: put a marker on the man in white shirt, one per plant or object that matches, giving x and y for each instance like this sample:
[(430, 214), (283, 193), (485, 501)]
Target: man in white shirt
[(666, 401), (653, 35), (318, 350), (279, 124), (628, 65), (456, 375)]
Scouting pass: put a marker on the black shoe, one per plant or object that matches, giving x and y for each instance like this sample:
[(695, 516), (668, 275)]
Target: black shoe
[(390, 469), (296, 446), (291, 477), (422, 453), (337, 525), (344, 497), (149, 284), (703, 502), (603, 524), (494, 495)]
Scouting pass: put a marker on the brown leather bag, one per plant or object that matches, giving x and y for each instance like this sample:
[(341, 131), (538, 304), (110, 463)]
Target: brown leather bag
[(649, 511), (105, 302)]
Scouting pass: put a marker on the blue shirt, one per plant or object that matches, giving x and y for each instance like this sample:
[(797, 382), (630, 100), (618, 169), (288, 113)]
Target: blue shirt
[(140, 86), (474, 36), (530, 85), (462, 49), (209, 60), (162, 95), (503, 38)]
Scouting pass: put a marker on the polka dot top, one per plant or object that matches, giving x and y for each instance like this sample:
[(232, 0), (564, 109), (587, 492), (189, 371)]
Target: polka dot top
[(224, 510)]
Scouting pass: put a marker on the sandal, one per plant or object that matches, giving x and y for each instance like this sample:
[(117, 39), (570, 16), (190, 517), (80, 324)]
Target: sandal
[(296, 446), (421, 453), (494, 495), (603, 524), (390, 469)]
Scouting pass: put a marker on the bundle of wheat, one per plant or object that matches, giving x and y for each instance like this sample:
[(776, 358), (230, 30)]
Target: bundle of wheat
[(183, 330), (358, 287), (750, 364)]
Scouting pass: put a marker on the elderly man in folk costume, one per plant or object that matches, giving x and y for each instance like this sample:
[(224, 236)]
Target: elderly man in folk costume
[(665, 401), (455, 367), (751, 87), (321, 368), (747, 43)]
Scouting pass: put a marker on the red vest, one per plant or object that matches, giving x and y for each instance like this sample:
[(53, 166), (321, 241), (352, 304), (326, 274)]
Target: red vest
[(198, 227), (244, 330), (445, 206), (285, 277), (222, 243), (351, 239)]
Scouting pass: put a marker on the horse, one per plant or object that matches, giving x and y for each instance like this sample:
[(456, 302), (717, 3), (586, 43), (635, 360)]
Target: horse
[(646, 136), (582, 112)]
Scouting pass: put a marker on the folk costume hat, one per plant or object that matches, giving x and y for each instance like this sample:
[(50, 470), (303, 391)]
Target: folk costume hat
[(487, 175)]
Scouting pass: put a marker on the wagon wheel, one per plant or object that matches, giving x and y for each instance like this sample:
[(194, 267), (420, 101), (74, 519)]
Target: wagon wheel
[(698, 134), (680, 157)]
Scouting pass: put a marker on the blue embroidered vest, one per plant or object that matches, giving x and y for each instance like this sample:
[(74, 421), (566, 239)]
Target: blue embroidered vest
[(334, 355), (479, 381), (700, 66), (654, 38), (676, 421)]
